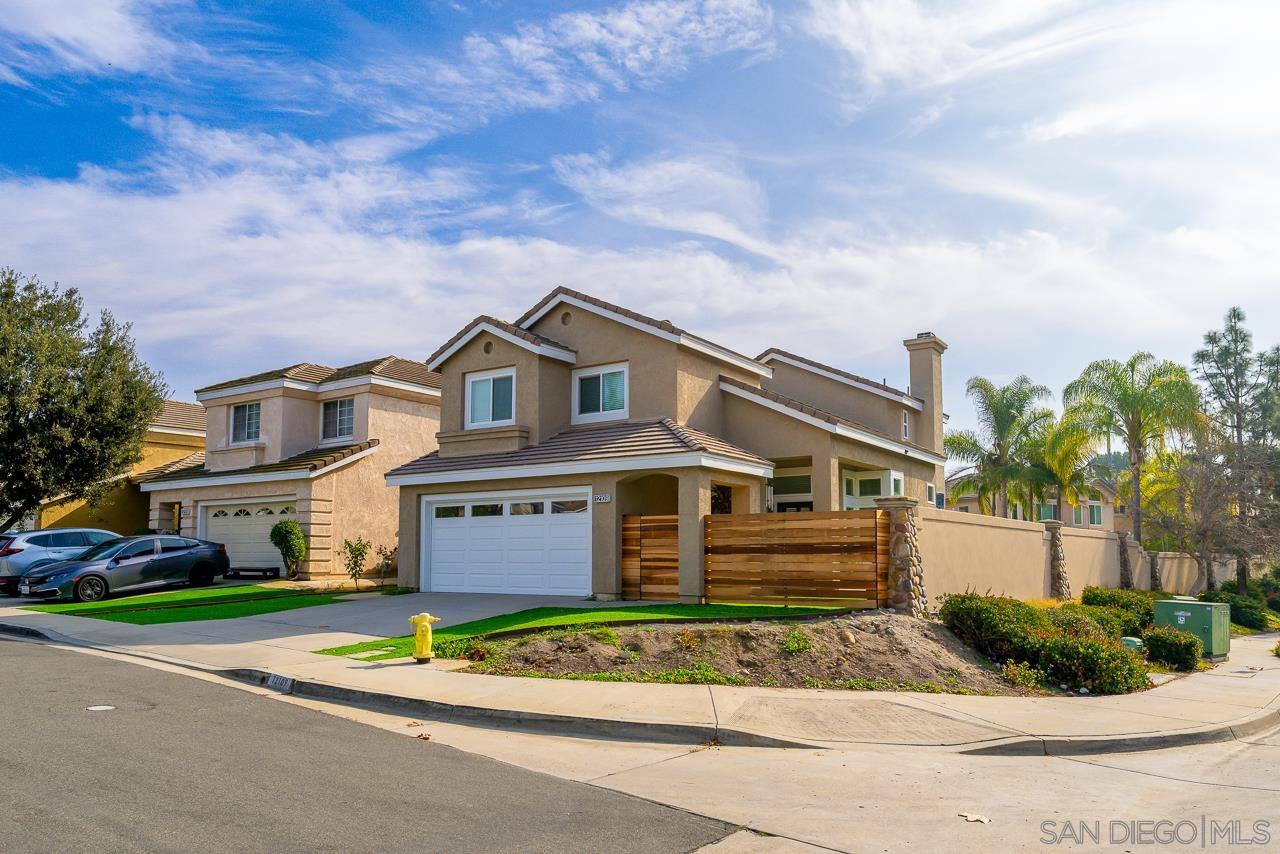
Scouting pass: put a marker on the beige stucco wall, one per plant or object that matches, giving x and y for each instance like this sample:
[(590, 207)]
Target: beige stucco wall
[(864, 407)]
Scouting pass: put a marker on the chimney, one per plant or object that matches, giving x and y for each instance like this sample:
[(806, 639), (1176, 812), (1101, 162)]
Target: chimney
[(925, 354)]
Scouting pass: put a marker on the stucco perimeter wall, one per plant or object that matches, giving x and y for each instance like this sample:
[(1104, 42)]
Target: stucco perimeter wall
[(987, 554)]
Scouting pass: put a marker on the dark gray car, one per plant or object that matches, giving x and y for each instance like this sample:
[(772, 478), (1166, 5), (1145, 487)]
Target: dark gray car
[(128, 564)]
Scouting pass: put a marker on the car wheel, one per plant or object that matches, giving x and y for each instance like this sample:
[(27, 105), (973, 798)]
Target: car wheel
[(91, 588), (202, 575)]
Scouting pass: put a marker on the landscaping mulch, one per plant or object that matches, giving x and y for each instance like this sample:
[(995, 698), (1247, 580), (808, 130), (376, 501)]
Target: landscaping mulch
[(873, 650)]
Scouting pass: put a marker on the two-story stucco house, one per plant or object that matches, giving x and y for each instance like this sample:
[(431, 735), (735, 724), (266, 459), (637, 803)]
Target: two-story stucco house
[(556, 426), (307, 442)]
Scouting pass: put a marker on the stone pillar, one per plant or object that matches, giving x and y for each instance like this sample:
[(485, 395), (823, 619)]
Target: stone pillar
[(906, 566), (1058, 581), (1126, 569), (1157, 583)]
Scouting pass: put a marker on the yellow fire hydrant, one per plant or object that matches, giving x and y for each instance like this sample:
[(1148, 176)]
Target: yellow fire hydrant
[(422, 636)]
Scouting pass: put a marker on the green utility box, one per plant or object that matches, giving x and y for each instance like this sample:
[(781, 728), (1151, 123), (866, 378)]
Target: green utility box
[(1209, 621)]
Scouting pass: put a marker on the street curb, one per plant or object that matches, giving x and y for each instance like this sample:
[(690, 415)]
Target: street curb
[(571, 725)]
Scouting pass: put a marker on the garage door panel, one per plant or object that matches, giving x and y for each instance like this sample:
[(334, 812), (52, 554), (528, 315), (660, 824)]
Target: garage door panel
[(245, 530), (527, 552)]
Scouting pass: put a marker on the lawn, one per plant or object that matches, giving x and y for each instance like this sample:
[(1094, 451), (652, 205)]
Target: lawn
[(192, 603), (551, 618)]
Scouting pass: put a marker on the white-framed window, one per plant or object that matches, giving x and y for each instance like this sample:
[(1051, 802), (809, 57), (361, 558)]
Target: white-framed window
[(1077, 515), (600, 393), (491, 398), (1095, 514), (931, 493), (906, 425), (246, 422), (338, 419)]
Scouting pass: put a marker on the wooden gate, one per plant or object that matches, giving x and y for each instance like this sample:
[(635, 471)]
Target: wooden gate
[(839, 558), (651, 557)]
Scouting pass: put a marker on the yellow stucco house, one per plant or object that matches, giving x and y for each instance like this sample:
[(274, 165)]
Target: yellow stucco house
[(307, 442), (175, 438), (555, 427)]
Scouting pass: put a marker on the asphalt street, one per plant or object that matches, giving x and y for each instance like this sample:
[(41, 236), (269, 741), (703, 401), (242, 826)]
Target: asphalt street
[(181, 764)]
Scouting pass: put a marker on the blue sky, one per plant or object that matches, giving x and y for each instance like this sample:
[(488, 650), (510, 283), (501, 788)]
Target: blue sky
[(1041, 184)]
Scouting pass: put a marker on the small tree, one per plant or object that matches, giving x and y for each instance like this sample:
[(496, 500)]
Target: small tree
[(287, 536), (75, 401), (354, 555)]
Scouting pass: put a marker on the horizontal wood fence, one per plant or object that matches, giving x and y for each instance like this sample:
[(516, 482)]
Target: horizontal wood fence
[(651, 557), (839, 558)]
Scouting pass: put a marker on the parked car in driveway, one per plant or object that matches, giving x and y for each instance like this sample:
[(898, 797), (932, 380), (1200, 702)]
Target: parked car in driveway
[(128, 564), (24, 551)]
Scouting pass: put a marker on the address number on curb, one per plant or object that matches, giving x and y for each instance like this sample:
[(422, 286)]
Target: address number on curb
[(603, 498)]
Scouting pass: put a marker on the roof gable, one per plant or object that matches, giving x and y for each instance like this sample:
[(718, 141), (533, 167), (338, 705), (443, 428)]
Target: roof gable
[(840, 376), (177, 416), (509, 332), (662, 328), (388, 370)]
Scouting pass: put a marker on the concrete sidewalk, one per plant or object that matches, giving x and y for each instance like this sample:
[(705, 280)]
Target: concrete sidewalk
[(1233, 700)]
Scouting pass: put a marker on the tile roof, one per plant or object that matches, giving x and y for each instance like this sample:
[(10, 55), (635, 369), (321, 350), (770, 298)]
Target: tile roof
[(180, 415), (509, 328), (595, 442), (195, 460), (837, 371), (312, 460), (815, 412), (391, 367), (664, 325)]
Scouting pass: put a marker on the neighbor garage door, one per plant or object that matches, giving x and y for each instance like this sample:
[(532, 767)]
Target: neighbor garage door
[(510, 545), (245, 529)]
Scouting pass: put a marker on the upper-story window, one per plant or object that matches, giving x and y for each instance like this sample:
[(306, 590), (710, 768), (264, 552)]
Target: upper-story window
[(906, 425), (599, 393), (338, 420), (246, 422), (491, 398)]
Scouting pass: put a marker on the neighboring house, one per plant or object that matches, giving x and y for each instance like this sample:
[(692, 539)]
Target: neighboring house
[(176, 437), (556, 426), (307, 442), (1099, 511)]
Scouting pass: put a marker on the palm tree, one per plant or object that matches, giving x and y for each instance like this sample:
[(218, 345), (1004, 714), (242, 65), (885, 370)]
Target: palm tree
[(1140, 400), (1061, 454), (1007, 416)]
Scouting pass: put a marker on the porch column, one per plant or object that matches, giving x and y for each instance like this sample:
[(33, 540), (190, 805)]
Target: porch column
[(906, 565), (828, 491), (695, 505)]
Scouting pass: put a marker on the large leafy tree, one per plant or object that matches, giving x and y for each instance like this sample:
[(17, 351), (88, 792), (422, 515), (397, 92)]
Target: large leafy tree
[(1141, 400), (1008, 417), (75, 400)]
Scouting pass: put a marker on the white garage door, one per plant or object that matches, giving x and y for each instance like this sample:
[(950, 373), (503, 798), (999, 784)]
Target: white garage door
[(510, 545), (245, 529)]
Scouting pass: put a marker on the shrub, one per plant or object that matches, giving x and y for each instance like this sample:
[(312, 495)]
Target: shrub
[(1138, 602), (1076, 624), (796, 642), (354, 554), (1002, 629), (1274, 603), (1022, 674), (1174, 647), (1277, 650), (1103, 666), (1245, 610), (286, 535), (1116, 622)]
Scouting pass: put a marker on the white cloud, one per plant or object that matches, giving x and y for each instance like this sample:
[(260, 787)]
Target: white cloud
[(44, 36)]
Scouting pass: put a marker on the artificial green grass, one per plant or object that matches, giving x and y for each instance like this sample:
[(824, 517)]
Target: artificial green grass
[(218, 611), (171, 598), (550, 618)]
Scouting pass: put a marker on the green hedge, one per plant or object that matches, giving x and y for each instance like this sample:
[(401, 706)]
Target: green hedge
[(1116, 622), (1141, 604), (1102, 665), (1070, 648), (1245, 610), (1000, 628), (1174, 647)]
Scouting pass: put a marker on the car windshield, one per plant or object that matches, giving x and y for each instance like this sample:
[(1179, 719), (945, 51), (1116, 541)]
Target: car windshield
[(101, 550)]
